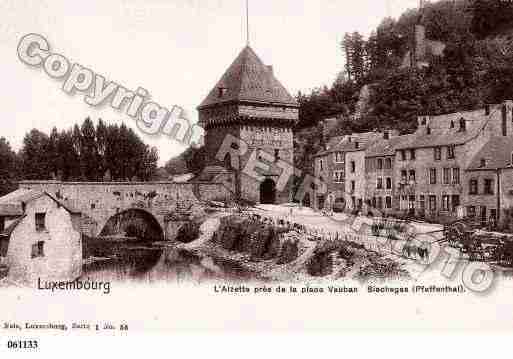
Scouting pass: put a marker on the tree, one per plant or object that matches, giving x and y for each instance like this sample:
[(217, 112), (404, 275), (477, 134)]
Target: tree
[(35, 157), (8, 164)]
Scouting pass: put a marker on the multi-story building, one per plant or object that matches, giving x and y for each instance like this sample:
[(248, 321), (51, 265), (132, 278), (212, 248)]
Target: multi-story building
[(379, 173), (329, 167), (433, 172), (39, 237), (431, 164), (489, 181), (342, 167)]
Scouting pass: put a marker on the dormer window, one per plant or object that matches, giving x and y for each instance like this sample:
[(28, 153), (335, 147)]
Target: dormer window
[(221, 91)]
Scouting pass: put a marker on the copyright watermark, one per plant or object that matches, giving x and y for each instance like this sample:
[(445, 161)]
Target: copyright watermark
[(150, 117)]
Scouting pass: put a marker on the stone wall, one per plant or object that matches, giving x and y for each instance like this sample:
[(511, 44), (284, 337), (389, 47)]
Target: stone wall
[(62, 245), (98, 201)]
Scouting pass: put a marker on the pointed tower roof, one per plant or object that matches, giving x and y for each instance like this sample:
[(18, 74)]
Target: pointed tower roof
[(248, 80)]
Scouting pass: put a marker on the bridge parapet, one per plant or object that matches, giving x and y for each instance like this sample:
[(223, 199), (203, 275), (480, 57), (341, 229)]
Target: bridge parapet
[(99, 201)]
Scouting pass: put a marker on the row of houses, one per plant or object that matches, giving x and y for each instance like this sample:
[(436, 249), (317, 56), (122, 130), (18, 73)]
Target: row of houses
[(453, 165)]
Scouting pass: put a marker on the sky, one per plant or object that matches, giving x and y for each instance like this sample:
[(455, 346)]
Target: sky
[(175, 49)]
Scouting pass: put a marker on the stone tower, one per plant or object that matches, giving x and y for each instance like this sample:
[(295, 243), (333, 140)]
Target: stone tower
[(251, 105)]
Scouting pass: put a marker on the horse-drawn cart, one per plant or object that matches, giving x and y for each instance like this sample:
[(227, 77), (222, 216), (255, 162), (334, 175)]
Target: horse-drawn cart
[(479, 245)]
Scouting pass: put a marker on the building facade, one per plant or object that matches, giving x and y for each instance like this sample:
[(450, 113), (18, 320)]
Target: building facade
[(248, 118), (40, 238), (452, 166)]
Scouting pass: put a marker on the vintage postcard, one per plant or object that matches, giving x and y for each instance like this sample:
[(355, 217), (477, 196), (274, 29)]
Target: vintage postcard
[(233, 165)]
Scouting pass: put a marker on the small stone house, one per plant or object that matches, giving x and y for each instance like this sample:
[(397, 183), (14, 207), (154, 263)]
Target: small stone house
[(39, 238)]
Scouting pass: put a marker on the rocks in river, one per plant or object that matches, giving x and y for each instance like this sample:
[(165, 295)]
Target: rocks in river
[(260, 241)]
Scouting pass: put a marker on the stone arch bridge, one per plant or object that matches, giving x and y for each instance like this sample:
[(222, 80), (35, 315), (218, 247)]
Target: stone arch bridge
[(103, 203)]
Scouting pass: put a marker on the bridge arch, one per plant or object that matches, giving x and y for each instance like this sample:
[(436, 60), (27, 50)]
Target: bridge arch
[(134, 222)]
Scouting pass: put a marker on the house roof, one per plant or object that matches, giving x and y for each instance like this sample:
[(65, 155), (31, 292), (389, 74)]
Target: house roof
[(364, 140), (12, 203), (496, 152), (446, 138), (8, 231), (248, 79), (387, 147)]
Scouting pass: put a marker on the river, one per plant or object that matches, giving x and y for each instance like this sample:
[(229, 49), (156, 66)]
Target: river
[(145, 263)]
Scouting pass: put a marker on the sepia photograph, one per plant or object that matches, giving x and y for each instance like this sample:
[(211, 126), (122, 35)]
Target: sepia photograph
[(242, 165)]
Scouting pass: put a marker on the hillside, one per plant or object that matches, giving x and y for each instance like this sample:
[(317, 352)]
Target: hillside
[(476, 67)]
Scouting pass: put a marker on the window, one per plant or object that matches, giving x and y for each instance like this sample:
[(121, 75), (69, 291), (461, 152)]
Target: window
[(471, 211), (40, 221), (455, 176), (445, 203), (463, 124), (404, 176), (450, 152), (432, 176), (380, 163), (380, 202), (472, 187), (321, 167), (338, 176), (412, 154), (422, 202), (373, 202), (447, 176), (455, 202), (353, 186), (2, 224), (482, 162), (488, 186), (380, 183), (403, 155), (432, 203), (276, 155), (353, 166), (388, 163), (411, 178), (339, 157), (438, 153), (93, 205), (38, 250), (221, 91), (411, 202), (388, 202), (389, 183), (428, 130), (493, 215)]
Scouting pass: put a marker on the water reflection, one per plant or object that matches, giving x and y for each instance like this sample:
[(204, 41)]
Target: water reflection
[(149, 264)]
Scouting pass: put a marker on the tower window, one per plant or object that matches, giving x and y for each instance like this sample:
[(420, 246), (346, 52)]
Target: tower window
[(221, 91)]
